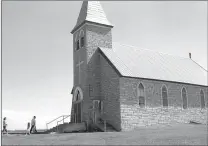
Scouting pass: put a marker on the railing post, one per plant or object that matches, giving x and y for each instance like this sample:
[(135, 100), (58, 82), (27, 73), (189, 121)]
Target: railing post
[(63, 119), (104, 125), (57, 127), (47, 126)]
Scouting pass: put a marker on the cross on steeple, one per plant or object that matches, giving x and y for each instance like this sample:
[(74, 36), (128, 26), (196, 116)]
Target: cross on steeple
[(78, 65)]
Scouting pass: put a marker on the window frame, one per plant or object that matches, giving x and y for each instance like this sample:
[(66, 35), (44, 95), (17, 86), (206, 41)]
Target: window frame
[(162, 96), (141, 94), (204, 104), (82, 42), (77, 45), (183, 98)]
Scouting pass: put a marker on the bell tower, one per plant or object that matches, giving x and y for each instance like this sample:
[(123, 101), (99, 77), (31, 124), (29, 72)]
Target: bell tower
[(91, 31)]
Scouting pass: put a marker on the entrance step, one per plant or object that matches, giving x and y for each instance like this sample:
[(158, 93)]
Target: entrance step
[(100, 127), (68, 128), (74, 127)]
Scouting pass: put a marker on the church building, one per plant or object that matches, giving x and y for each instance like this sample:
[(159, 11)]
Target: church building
[(127, 86)]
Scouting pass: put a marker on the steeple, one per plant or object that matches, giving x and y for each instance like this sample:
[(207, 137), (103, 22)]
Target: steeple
[(91, 11)]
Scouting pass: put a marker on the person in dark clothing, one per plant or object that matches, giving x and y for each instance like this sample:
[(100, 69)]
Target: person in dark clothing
[(4, 126)]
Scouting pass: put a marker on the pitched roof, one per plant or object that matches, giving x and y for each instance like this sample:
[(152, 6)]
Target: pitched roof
[(92, 11), (143, 63)]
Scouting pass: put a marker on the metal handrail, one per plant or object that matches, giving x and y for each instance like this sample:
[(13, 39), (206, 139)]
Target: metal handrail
[(54, 120), (66, 116)]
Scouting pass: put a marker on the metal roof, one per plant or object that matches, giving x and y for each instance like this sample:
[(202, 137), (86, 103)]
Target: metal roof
[(143, 63), (92, 11)]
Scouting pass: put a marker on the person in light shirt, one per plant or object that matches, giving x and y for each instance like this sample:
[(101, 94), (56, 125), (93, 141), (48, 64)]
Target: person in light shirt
[(28, 129), (33, 124)]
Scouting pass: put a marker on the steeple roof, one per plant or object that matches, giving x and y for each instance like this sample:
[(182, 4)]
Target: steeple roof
[(92, 11)]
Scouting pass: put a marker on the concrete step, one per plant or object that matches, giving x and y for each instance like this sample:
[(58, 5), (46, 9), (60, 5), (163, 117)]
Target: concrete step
[(74, 127), (109, 128)]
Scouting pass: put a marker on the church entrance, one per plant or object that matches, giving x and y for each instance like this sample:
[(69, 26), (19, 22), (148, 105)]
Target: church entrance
[(97, 110), (77, 104)]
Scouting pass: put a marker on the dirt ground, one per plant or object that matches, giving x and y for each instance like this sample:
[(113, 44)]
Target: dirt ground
[(178, 134)]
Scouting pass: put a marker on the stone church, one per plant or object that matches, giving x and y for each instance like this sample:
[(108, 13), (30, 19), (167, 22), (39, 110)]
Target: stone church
[(127, 86)]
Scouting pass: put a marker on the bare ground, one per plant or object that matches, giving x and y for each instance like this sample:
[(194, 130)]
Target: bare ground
[(177, 134)]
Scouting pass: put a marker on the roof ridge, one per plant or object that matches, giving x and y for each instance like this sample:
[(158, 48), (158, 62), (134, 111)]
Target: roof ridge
[(135, 47)]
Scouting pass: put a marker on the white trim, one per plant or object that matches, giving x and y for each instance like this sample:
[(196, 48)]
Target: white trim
[(80, 33), (101, 107), (87, 23), (75, 92), (75, 38), (79, 29), (161, 95), (182, 96), (100, 25), (79, 101)]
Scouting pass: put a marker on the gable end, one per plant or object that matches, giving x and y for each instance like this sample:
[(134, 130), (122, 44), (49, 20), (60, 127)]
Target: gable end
[(109, 62)]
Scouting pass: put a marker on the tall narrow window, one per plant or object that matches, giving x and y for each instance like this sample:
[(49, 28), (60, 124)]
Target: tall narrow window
[(164, 96), (78, 45), (184, 97), (77, 96), (82, 41), (96, 104), (140, 94), (202, 99), (101, 107)]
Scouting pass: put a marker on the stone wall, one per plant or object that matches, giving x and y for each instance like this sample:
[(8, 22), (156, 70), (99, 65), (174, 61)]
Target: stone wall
[(95, 36), (110, 93), (78, 56), (133, 116)]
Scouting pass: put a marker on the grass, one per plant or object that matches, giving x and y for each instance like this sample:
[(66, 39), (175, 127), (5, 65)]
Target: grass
[(178, 134)]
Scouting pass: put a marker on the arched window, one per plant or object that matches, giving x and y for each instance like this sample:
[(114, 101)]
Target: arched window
[(77, 45), (202, 99), (184, 97), (78, 95), (77, 105), (140, 94), (164, 96), (82, 41), (81, 36)]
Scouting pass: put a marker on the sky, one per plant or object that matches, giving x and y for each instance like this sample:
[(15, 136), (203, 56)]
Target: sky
[(37, 61)]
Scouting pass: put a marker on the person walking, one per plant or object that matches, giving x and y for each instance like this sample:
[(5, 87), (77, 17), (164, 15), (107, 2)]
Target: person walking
[(4, 126), (33, 124), (28, 129)]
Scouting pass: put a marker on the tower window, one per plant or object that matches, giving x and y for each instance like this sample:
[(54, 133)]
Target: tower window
[(77, 45), (82, 41)]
